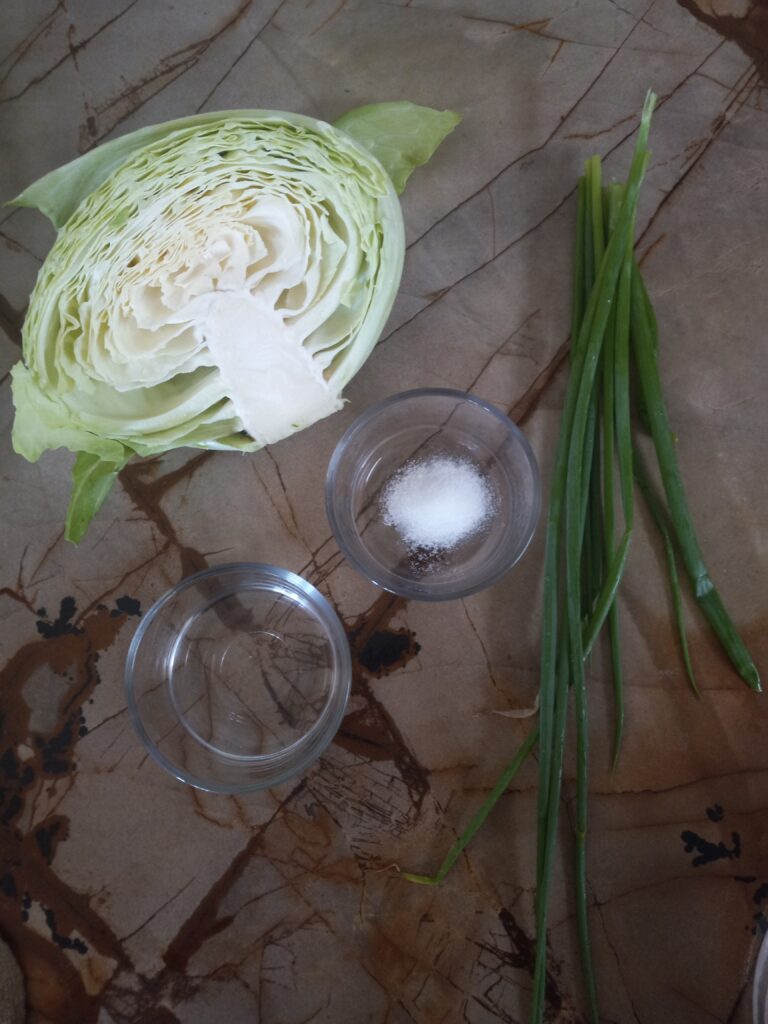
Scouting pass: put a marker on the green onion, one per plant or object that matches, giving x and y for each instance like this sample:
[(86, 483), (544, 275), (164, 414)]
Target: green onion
[(623, 445), (660, 519), (591, 337), (592, 553), (482, 813), (644, 348), (612, 200), (583, 565)]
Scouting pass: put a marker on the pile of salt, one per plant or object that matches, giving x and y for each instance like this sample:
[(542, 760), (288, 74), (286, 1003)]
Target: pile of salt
[(435, 503)]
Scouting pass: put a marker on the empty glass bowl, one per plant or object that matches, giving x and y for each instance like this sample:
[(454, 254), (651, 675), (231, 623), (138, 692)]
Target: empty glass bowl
[(412, 428), (238, 677)]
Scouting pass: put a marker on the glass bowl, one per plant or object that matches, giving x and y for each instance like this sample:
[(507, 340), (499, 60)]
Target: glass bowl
[(409, 429), (760, 985), (238, 677)]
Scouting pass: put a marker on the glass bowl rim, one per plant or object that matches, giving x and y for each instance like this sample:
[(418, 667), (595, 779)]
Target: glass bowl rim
[(368, 566), (322, 731)]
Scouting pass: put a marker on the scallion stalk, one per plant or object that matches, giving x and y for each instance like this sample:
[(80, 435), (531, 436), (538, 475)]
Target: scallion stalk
[(583, 565), (482, 813), (645, 349), (612, 197), (660, 519)]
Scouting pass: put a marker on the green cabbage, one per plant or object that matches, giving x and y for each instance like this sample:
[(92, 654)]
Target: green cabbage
[(216, 281)]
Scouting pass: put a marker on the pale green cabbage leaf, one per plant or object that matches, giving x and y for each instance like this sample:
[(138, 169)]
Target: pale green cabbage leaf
[(215, 282)]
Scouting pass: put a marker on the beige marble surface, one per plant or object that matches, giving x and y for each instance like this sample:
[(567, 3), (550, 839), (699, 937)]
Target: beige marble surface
[(129, 898)]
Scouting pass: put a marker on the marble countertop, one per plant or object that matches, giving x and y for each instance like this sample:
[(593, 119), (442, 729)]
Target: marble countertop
[(130, 898)]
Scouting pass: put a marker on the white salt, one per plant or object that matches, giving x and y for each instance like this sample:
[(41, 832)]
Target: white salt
[(435, 503)]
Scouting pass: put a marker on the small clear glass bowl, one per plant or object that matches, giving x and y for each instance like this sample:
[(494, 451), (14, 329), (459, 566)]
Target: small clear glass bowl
[(237, 678), (417, 425)]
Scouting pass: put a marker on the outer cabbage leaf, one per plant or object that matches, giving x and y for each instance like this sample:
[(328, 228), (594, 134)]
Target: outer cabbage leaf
[(215, 282), (92, 479), (401, 135)]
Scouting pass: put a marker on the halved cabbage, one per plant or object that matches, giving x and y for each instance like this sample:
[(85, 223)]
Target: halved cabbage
[(216, 281)]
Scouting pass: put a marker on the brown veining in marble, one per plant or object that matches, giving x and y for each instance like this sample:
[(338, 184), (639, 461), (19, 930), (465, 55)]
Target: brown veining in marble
[(69, 647), (73, 48), (747, 28), (129, 898), (206, 920), (146, 491)]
